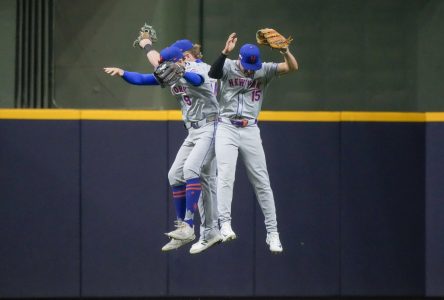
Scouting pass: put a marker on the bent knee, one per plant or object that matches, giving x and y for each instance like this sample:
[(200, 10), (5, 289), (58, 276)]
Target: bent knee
[(174, 177), (191, 172)]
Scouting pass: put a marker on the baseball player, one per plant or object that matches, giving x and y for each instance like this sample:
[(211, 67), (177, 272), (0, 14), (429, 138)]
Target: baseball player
[(199, 112), (207, 203), (243, 84)]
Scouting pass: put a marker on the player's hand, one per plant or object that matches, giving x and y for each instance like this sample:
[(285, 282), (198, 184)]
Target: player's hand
[(113, 71), (230, 44), (284, 50)]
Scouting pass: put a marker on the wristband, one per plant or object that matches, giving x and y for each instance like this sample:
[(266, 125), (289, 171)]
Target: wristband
[(148, 48)]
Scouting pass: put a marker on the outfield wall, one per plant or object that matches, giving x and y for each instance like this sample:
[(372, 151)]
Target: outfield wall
[(85, 202)]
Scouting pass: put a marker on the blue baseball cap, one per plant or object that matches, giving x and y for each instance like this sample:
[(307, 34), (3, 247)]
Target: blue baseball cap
[(250, 57), (183, 45), (170, 54)]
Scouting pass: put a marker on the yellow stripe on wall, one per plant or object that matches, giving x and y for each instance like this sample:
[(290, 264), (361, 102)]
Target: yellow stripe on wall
[(382, 117), (40, 114), (296, 116), (175, 115), (125, 115), (435, 117)]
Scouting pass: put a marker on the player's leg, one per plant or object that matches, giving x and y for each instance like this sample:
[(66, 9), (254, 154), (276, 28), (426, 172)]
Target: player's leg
[(208, 200), (176, 178), (253, 155), (178, 186), (209, 229), (227, 143), (202, 153)]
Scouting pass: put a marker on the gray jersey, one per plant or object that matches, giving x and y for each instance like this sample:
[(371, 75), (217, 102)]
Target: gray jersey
[(206, 67), (197, 102), (242, 96)]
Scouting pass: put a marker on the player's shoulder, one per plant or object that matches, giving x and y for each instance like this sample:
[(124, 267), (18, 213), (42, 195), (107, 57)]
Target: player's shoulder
[(230, 64), (269, 66), (267, 69), (191, 66), (205, 66)]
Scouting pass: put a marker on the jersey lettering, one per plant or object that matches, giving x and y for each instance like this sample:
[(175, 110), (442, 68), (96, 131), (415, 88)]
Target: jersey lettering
[(179, 89), (243, 82)]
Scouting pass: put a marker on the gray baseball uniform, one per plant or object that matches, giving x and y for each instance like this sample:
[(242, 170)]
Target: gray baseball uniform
[(196, 155), (240, 102), (208, 199)]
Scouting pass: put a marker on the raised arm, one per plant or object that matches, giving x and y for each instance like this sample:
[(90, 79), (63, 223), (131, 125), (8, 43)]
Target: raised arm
[(152, 54), (289, 64), (216, 70)]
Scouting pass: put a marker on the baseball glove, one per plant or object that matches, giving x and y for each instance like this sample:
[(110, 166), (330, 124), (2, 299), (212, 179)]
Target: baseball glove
[(271, 37), (146, 32), (168, 73)]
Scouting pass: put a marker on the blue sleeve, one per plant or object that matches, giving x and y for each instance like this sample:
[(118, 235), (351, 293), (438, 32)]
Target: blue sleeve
[(193, 78), (139, 79)]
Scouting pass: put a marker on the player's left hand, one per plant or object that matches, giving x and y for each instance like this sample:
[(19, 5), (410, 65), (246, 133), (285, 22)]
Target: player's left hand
[(230, 44), (113, 71)]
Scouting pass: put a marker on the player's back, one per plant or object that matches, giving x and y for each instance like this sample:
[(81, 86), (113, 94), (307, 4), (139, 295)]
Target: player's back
[(205, 68)]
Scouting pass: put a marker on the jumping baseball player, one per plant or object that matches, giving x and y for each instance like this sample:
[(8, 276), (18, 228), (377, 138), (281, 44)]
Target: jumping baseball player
[(207, 203), (243, 84), (199, 112)]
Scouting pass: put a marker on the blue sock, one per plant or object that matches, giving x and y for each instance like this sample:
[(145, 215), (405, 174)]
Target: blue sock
[(193, 193), (179, 197)]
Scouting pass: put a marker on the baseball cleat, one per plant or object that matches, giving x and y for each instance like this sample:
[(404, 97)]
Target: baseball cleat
[(204, 244), (173, 244), (183, 232), (178, 225), (227, 233), (274, 242)]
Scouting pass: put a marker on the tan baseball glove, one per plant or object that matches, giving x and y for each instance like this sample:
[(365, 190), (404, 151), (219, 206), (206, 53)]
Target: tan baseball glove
[(272, 38), (146, 32)]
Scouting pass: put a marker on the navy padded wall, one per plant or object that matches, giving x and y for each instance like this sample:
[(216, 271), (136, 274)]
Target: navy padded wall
[(382, 209), (124, 191), (435, 210), (303, 163), (84, 206), (39, 208)]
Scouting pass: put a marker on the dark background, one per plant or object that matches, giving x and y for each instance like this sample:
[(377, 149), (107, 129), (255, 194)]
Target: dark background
[(378, 55)]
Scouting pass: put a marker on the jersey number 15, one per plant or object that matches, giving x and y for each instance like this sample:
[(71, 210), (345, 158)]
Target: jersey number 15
[(256, 95)]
